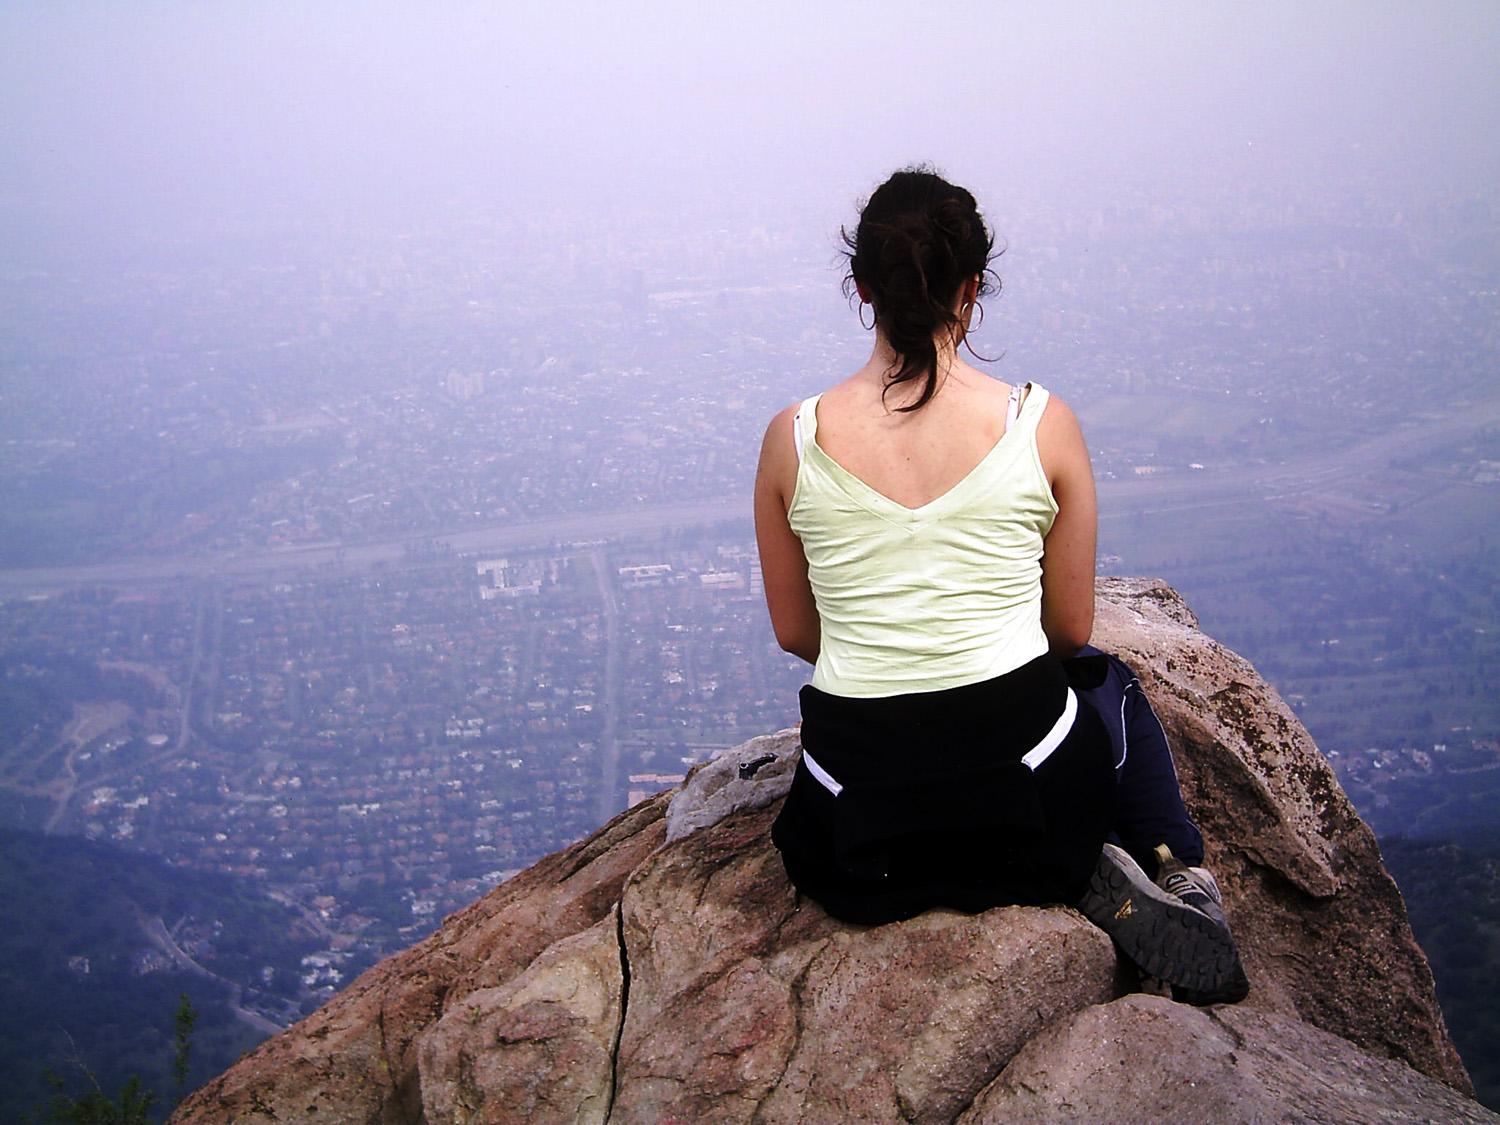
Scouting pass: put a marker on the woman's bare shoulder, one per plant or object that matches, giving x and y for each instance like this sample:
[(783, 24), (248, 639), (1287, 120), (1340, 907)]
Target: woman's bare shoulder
[(779, 430), (1059, 438), (776, 474), (1057, 416)]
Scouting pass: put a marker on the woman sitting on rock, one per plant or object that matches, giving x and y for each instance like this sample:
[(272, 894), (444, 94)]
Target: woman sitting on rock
[(927, 539)]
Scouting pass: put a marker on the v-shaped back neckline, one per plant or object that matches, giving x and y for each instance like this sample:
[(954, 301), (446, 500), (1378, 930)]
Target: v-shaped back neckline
[(921, 509)]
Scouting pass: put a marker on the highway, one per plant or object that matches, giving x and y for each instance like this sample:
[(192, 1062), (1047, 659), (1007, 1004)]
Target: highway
[(1318, 472), (584, 530)]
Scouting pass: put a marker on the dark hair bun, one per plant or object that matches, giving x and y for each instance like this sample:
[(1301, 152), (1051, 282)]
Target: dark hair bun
[(918, 240)]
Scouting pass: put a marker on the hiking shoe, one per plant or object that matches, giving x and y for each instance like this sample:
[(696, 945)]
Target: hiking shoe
[(1197, 887), (1164, 935)]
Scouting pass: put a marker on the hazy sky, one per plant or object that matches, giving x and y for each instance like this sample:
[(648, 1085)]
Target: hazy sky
[(131, 114)]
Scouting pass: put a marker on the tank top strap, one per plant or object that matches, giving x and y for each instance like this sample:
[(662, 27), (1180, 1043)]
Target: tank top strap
[(1029, 412), (805, 425), (1013, 406)]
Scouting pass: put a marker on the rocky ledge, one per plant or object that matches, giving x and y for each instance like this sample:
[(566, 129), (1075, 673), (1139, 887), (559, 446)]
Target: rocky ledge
[(665, 970)]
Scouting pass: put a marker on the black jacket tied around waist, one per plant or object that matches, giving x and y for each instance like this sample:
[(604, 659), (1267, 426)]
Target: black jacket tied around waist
[(932, 804)]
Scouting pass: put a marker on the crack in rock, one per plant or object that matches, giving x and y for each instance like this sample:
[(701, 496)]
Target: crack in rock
[(614, 1049)]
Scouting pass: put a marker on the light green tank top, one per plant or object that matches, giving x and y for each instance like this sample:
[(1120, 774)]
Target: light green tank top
[(922, 599)]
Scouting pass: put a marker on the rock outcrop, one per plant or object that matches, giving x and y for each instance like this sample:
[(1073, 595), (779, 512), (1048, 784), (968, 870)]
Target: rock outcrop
[(664, 969)]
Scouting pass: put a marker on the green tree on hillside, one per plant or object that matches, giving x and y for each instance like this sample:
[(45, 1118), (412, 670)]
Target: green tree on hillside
[(132, 1105)]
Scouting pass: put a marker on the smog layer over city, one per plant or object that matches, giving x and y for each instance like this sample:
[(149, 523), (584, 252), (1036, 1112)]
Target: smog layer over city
[(381, 388)]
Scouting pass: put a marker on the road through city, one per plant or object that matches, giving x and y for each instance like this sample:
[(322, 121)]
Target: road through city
[(1318, 473)]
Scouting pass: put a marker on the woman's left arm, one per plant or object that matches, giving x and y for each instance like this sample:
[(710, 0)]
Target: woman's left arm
[(1068, 552), (783, 566)]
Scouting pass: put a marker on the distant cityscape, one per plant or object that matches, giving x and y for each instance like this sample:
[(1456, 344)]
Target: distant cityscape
[(383, 750), (429, 382)]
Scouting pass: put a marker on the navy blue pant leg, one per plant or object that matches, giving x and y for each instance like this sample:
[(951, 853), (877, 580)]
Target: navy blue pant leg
[(1149, 808)]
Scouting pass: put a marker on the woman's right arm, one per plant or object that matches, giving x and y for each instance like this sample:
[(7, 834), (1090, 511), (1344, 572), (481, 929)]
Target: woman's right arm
[(783, 566), (1068, 550)]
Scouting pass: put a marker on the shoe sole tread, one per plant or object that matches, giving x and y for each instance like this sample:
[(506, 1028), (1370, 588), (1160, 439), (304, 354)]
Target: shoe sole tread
[(1164, 936)]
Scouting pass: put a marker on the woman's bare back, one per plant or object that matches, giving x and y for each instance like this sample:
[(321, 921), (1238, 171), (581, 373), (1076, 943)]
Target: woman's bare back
[(913, 458)]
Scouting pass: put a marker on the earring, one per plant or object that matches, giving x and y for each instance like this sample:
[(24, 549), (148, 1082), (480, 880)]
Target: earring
[(973, 307), (862, 323)]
